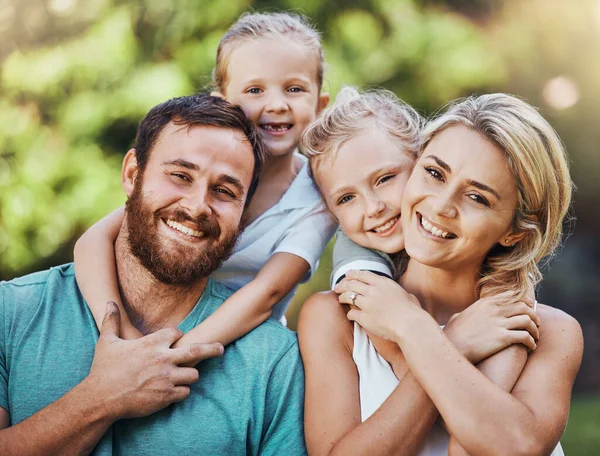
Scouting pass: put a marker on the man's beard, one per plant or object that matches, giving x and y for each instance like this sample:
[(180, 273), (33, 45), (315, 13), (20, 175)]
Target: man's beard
[(174, 263)]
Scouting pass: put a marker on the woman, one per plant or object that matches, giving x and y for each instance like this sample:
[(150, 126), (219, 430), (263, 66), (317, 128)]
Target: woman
[(483, 206)]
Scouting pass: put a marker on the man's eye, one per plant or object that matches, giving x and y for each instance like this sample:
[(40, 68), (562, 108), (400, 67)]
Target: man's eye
[(345, 199), (434, 173), (224, 191), (180, 176)]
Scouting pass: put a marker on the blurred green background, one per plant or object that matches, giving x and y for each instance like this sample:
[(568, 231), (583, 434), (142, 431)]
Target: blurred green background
[(77, 76)]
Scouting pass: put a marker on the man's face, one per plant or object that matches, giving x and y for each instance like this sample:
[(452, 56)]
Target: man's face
[(184, 209)]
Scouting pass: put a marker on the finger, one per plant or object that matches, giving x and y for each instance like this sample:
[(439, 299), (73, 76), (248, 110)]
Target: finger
[(179, 393), (192, 354), (184, 376), (346, 298), (111, 321), (352, 285), (522, 337), (353, 315), (167, 336), (506, 297), (523, 322), (367, 277), (521, 308)]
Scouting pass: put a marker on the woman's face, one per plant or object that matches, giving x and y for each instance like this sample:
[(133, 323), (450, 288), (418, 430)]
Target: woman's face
[(363, 187), (459, 201)]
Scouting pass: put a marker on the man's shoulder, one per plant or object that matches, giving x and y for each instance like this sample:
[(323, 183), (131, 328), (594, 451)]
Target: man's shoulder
[(38, 281)]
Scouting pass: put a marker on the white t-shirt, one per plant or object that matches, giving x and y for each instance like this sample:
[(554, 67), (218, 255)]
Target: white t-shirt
[(299, 224)]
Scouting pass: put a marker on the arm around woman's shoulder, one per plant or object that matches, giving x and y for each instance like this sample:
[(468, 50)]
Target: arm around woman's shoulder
[(547, 380)]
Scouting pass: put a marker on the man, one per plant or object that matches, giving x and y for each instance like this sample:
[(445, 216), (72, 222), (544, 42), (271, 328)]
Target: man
[(64, 390)]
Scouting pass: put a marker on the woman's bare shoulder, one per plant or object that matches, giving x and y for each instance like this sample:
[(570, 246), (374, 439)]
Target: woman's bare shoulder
[(322, 317), (558, 328)]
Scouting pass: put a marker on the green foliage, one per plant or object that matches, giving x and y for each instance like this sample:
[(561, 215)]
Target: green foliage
[(582, 437)]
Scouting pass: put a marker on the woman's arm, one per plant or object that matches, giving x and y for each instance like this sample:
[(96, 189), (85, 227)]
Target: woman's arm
[(96, 271), (332, 417), (524, 422), (252, 304)]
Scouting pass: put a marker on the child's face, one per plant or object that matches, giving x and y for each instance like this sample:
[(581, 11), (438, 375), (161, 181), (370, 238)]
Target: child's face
[(275, 83), (363, 187)]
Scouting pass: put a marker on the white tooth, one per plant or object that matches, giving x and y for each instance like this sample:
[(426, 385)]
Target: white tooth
[(445, 234)]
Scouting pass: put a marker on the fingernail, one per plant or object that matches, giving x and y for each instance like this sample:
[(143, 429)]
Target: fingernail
[(221, 349)]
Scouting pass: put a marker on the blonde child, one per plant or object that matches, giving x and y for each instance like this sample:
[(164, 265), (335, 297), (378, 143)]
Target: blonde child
[(271, 65)]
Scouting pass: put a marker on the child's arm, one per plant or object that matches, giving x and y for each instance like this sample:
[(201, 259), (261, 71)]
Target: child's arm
[(96, 272), (250, 305), (348, 255)]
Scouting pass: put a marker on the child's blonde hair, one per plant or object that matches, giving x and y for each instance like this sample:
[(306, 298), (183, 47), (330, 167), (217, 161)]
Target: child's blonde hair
[(351, 113), (267, 25), (538, 162)]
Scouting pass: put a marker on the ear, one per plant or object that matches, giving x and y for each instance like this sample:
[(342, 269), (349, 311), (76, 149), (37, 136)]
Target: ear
[(323, 101), (217, 94), (129, 172), (511, 238)]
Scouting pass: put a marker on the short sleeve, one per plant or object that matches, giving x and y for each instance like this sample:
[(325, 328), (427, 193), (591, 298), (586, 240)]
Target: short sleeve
[(283, 430), (348, 255), (308, 237), (3, 335)]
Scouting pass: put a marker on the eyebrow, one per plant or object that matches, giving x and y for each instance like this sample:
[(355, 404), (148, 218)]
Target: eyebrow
[(226, 178), (232, 181), (184, 164), (486, 188)]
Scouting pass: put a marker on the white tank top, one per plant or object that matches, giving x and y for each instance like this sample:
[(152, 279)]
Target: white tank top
[(376, 381)]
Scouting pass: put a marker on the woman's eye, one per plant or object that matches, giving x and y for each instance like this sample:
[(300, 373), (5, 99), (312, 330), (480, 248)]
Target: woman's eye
[(479, 199), (386, 178), (254, 90), (345, 199), (434, 173)]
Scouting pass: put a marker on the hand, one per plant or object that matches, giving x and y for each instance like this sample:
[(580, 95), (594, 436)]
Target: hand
[(138, 377), (492, 324), (381, 306)]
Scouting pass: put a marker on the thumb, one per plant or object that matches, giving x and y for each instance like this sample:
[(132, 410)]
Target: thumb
[(111, 321)]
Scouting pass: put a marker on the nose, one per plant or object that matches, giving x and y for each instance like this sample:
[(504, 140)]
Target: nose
[(375, 206), (197, 203), (276, 102), (443, 204)]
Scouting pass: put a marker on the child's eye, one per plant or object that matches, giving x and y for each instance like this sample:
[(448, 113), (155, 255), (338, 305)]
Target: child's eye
[(479, 199), (386, 178), (434, 173), (254, 90), (296, 89), (345, 199)]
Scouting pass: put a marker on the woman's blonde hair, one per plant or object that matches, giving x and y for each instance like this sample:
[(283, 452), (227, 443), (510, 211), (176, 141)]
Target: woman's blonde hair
[(351, 113), (538, 161), (266, 25)]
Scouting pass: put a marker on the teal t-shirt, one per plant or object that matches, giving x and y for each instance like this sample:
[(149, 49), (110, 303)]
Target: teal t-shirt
[(249, 401)]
